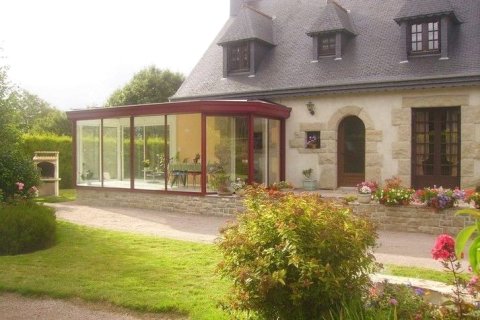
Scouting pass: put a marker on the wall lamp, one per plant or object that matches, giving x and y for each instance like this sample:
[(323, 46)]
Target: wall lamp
[(311, 107)]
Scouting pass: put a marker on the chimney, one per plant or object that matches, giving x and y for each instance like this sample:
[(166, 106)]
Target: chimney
[(235, 6)]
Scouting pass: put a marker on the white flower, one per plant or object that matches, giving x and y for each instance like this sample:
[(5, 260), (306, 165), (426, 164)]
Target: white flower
[(365, 190)]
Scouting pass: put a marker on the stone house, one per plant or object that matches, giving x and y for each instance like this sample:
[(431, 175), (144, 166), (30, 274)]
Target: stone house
[(354, 89), (376, 88)]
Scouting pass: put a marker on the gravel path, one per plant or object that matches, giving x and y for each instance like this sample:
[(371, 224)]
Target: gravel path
[(16, 307)]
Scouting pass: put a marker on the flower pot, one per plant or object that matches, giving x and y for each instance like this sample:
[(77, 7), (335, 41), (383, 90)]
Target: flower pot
[(364, 198), (310, 184)]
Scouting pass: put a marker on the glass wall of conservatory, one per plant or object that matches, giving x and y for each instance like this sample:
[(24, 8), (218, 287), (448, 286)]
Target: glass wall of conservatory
[(266, 150), (167, 152), (131, 148), (227, 150)]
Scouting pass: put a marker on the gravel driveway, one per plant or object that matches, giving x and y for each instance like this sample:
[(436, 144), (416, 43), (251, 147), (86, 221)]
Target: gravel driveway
[(16, 307)]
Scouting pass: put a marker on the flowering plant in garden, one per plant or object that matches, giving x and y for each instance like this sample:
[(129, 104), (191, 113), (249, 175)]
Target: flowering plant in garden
[(393, 193), (474, 197), (394, 196), (280, 185), (449, 254), (440, 198)]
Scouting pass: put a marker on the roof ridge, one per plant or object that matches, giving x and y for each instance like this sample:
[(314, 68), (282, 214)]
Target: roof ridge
[(338, 5), (257, 11)]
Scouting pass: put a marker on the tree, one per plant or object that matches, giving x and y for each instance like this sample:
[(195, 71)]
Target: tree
[(150, 85), (35, 115), (9, 133)]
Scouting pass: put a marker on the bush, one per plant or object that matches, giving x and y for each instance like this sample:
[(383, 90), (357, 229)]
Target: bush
[(26, 227), (49, 142), (295, 256), (15, 167)]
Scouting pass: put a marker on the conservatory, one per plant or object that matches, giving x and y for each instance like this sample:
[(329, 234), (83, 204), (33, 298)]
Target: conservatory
[(180, 146)]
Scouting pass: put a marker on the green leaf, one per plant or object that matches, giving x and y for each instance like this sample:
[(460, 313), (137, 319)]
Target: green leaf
[(471, 212), (472, 254), (462, 239)]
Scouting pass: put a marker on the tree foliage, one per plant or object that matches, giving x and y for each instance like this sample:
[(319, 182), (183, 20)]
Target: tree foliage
[(150, 85), (35, 115), (24, 112), (9, 133)]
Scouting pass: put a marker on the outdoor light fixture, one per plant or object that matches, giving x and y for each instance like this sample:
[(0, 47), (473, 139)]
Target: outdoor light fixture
[(311, 107)]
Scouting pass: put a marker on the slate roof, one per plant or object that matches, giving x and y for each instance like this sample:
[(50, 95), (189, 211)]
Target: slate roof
[(423, 8), (332, 18), (370, 61), (249, 24)]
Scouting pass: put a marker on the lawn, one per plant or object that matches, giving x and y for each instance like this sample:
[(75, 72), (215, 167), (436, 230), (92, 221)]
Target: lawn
[(133, 271), (421, 273), (137, 272), (65, 195)]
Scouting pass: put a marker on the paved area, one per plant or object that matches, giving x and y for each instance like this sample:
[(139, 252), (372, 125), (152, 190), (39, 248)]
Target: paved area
[(402, 248)]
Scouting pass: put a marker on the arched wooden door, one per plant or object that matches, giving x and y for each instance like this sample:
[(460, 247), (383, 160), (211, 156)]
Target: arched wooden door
[(351, 152)]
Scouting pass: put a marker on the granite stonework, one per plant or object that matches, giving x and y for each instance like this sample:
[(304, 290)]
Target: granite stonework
[(413, 218), (188, 204)]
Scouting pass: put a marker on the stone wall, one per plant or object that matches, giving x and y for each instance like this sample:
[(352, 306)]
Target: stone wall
[(203, 205), (413, 218), (402, 218)]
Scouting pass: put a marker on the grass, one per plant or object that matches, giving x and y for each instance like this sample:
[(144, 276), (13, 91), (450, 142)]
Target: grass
[(420, 273), (65, 195), (137, 272)]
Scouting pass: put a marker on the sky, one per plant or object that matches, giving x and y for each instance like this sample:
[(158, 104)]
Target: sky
[(75, 53)]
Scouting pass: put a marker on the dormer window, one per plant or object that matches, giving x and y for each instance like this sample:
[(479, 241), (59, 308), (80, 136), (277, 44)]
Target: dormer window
[(246, 42), (326, 45), (238, 57), (425, 37), (331, 31), (426, 28)]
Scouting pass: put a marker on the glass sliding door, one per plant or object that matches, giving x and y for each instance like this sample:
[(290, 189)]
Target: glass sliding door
[(116, 153), (88, 153), (150, 147), (273, 151), (266, 149), (183, 147), (227, 148)]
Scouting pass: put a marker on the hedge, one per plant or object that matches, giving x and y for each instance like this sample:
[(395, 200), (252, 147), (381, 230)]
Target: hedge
[(48, 142)]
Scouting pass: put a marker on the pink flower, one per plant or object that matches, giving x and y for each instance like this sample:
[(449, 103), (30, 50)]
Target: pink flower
[(444, 248), (20, 186), (393, 302)]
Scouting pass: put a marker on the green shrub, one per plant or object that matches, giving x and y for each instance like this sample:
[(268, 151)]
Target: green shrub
[(49, 142), (16, 167), (295, 256), (26, 227)]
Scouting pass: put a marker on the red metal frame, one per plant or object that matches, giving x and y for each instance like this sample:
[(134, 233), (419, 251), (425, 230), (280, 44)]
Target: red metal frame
[(251, 109), (217, 107)]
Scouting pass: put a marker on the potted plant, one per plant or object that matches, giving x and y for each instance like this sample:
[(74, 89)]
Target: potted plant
[(365, 190), (146, 163), (220, 180), (87, 176), (238, 187), (308, 182)]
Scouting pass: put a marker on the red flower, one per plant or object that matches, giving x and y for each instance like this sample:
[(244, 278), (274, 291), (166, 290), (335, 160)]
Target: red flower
[(444, 248)]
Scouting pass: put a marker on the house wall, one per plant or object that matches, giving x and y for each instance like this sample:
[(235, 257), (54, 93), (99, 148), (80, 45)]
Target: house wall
[(387, 117)]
